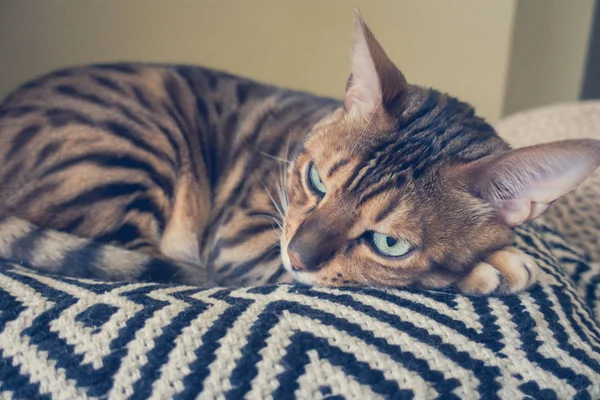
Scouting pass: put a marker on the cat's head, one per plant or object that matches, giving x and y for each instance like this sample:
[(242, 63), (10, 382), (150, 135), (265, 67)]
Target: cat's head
[(406, 184)]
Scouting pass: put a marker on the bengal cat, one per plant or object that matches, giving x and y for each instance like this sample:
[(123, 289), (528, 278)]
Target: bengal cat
[(184, 174)]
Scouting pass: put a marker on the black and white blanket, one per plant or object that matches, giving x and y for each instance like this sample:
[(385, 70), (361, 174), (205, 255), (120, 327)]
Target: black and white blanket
[(75, 339)]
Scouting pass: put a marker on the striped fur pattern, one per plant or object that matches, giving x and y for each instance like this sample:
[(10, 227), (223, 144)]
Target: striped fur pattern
[(195, 176), (179, 163)]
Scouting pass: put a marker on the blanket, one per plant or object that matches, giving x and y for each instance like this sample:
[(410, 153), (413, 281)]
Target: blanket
[(66, 338)]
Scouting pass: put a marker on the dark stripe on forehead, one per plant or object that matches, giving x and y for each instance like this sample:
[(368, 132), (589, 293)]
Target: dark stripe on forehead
[(387, 210), (399, 181), (422, 110), (355, 179), (336, 166), (428, 135), (433, 128), (470, 142)]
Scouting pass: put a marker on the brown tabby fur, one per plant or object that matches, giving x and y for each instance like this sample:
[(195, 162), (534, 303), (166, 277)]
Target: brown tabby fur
[(189, 169)]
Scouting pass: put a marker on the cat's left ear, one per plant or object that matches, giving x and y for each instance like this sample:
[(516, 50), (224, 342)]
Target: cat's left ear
[(375, 81), (523, 183)]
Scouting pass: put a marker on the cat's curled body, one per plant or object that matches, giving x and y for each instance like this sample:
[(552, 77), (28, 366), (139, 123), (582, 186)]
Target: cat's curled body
[(181, 163), (185, 174)]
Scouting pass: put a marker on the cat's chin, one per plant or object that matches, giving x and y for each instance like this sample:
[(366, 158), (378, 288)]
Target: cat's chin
[(305, 278)]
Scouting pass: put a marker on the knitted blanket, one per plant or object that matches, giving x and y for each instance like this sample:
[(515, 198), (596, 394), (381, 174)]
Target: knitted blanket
[(78, 339)]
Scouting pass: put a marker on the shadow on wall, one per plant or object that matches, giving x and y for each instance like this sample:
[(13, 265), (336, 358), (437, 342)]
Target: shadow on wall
[(591, 78)]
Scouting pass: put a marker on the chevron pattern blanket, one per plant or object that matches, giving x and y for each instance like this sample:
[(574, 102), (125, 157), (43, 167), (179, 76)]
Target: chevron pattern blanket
[(75, 339)]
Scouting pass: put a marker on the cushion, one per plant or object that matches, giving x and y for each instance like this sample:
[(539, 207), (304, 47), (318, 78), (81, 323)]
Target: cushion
[(77, 339), (575, 216)]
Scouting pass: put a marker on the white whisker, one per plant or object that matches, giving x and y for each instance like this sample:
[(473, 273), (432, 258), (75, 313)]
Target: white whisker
[(281, 193), (275, 158), (438, 292), (281, 202), (277, 206), (283, 173)]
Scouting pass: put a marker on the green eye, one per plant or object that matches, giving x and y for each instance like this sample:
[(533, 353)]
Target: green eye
[(315, 181), (389, 246)]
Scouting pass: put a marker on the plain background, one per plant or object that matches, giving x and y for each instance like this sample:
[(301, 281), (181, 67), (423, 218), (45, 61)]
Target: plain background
[(501, 55)]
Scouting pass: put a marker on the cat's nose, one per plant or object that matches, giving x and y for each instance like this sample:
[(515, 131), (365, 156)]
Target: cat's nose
[(302, 261), (297, 264), (311, 249)]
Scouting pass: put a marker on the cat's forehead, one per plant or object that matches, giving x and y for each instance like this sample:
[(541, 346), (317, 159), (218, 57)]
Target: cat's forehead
[(426, 129)]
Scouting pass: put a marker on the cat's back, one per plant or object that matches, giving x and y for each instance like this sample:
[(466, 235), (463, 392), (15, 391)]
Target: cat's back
[(80, 141), (92, 90), (87, 102), (134, 93)]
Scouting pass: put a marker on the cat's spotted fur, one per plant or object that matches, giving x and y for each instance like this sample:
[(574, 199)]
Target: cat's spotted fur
[(184, 174)]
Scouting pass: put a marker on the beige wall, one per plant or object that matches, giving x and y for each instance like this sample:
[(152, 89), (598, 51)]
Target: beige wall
[(548, 53), (460, 46), (500, 55)]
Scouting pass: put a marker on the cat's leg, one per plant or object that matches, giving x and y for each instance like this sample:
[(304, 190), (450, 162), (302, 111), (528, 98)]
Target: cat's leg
[(179, 243), (188, 219), (506, 271)]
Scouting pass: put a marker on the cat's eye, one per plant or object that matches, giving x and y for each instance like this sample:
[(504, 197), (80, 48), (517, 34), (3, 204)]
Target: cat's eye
[(316, 184), (389, 246)]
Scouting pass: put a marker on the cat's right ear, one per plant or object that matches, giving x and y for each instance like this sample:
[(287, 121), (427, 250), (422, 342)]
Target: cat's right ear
[(523, 183), (375, 81)]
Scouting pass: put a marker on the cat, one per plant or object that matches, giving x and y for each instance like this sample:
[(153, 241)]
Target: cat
[(182, 174)]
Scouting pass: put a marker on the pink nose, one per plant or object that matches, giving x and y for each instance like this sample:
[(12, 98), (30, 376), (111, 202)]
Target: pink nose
[(297, 264)]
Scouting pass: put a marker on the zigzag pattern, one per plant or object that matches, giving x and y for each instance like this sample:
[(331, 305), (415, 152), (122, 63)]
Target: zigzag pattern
[(79, 339)]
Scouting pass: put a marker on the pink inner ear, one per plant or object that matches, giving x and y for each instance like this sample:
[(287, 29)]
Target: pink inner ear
[(375, 80), (523, 183), (363, 93), (561, 180)]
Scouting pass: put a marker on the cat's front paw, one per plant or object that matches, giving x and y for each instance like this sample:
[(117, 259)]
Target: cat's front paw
[(507, 271)]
